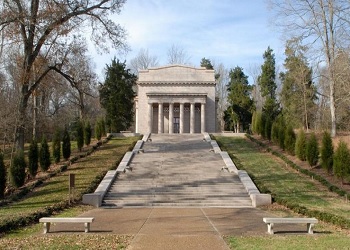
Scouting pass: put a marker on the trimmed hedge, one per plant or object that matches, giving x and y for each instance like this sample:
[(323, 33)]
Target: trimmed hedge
[(307, 172), (21, 221)]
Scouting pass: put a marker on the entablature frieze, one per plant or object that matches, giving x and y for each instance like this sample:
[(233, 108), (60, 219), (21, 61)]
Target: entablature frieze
[(176, 98)]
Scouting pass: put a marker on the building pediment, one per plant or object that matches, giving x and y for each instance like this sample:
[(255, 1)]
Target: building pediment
[(177, 74)]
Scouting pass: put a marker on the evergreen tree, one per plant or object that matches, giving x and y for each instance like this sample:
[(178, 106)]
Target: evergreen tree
[(298, 91), (312, 150), (2, 176), (268, 85), (18, 169), (44, 155), (117, 96), (258, 123), (87, 133), (56, 146), (327, 152), (300, 145), (33, 158), (281, 137), (341, 164), (206, 63), (268, 128), (103, 127), (289, 140), (79, 130), (240, 103), (66, 146), (98, 130)]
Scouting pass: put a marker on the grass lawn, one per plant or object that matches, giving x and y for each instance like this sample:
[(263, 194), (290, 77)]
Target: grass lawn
[(271, 173), (55, 190), (267, 169)]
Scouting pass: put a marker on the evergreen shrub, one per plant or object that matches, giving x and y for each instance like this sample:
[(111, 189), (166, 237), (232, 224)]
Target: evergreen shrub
[(289, 140), (33, 158), (312, 152), (300, 145), (341, 164), (80, 135), (66, 146), (18, 169), (44, 155), (3, 175), (327, 152), (87, 133), (56, 146)]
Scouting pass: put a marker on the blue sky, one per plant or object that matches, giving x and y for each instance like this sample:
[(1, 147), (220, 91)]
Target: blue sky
[(232, 32)]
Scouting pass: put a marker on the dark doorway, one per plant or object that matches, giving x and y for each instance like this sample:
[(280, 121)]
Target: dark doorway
[(176, 125)]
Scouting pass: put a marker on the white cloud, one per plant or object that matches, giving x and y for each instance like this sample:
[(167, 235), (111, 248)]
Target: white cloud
[(232, 32)]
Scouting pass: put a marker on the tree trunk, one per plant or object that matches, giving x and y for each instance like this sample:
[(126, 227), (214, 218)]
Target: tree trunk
[(332, 108), (21, 119)]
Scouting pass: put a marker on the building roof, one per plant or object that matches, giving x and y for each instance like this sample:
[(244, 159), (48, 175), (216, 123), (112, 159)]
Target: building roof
[(176, 74)]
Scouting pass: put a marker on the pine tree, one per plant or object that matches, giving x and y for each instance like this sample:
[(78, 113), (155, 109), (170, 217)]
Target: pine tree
[(117, 96), (239, 100), (66, 146), (327, 152), (312, 150), (298, 91), (56, 146), (80, 134), (268, 86), (2, 176), (300, 145), (341, 164), (87, 133), (289, 140), (44, 155), (33, 158), (18, 169)]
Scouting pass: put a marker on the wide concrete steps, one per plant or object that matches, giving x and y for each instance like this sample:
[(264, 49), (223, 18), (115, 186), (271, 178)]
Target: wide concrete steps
[(177, 172)]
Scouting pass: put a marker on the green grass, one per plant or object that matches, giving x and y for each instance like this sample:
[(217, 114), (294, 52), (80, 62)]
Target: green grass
[(270, 173), (55, 190), (31, 237), (291, 242), (283, 182)]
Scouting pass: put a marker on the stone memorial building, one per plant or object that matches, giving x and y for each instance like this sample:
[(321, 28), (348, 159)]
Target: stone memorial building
[(175, 99)]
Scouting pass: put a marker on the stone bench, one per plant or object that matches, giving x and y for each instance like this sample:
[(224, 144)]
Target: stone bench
[(308, 221), (138, 147), (48, 220), (124, 164)]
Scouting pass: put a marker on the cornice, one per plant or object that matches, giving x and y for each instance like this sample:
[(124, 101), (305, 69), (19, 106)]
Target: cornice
[(174, 83)]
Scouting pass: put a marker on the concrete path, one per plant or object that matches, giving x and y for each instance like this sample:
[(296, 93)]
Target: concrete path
[(173, 228), (186, 225), (177, 170)]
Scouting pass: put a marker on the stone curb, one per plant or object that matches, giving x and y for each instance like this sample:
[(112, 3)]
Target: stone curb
[(95, 199)]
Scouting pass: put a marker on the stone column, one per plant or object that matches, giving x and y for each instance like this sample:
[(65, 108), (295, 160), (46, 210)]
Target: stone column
[(202, 117), (171, 118), (150, 115), (136, 116), (182, 117), (160, 119), (192, 121)]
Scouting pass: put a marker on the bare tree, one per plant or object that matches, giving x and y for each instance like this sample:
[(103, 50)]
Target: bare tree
[(221, 92), (255, 71), (45, 28), (143, 60), (178, 55), (322, 23)]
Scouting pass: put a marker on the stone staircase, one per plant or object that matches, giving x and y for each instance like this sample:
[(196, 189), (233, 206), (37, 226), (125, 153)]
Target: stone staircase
[(177, 171)]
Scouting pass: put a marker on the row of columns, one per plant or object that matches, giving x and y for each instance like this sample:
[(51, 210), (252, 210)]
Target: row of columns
[(171, 117)]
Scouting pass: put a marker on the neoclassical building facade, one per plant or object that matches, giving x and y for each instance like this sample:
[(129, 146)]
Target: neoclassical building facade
[(175, 99)]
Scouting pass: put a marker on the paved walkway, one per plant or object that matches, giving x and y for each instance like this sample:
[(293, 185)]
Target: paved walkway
[(174, 228), (159, 228)]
